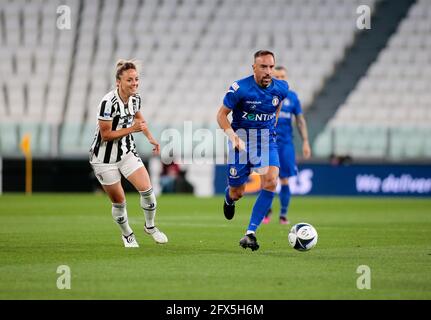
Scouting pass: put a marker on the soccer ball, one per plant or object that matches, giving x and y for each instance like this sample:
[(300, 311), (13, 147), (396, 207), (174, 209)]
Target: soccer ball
[(302, 236)]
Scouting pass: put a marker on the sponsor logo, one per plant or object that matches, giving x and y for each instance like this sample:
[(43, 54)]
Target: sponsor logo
[(253, 102), (302, 183), (258, 116), (405, 183)]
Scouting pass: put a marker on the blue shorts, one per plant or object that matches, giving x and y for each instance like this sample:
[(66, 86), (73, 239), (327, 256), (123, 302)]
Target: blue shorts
[(286, 153), (240, 164)]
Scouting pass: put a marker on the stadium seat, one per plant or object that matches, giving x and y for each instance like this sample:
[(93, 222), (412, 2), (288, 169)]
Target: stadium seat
[(9, 139), (394, 94), (194, 49)]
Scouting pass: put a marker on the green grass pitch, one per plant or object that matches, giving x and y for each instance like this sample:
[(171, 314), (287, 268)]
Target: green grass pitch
[(203, 259)]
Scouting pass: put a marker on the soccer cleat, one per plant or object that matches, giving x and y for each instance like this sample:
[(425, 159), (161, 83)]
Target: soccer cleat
[(249, 241), (157, 235), (228, 210), (267, 217), (284, 220), (130, 241)]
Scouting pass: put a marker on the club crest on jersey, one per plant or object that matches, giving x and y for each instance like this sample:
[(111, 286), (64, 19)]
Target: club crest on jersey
[(275, 101), (233, 171)]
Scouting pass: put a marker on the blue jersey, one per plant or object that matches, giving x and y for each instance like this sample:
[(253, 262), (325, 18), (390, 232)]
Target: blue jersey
[(291, 106), (255, 107)]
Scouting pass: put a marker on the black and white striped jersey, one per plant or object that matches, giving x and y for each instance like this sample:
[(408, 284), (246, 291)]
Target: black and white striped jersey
[(111, 108)]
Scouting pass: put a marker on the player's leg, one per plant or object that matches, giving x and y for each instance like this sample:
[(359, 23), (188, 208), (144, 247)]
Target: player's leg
[(110, 179), (261, 206), (268, 214), (267, 165), (138, 176), (287, 169), (265, 197), (284, 196), (237, 177), (119, 213), (232, 194)]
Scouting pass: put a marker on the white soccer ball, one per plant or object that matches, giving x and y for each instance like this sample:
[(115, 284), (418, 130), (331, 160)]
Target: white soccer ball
[(302, 236)]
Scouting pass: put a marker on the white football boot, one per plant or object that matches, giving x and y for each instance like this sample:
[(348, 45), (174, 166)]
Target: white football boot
[(130, 241), (157, 235)]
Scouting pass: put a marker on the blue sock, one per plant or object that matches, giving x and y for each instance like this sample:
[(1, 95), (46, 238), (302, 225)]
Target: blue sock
[(227, 198), (261, 207), (284, 199)]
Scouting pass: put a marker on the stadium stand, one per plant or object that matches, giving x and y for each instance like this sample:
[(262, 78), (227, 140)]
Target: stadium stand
[(388, 114), (191, 50)]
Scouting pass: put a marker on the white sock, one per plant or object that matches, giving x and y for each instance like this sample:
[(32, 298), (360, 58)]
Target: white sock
[(149, 205), (119, 213)]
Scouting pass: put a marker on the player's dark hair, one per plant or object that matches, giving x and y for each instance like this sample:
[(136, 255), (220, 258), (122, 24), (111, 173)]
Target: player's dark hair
[(278, 68), (123, 65), (261, 53)]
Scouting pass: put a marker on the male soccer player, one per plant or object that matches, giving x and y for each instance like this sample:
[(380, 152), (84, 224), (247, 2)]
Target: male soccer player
[(286, 150), (254, 102)]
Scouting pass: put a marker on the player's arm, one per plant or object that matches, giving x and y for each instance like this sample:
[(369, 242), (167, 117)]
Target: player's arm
[(224, 123), (108, 134), (302, 128), (278, 112), (146, 131)]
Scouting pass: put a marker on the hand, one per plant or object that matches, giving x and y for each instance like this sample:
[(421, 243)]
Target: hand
[(237, 142), (306, 150), (139, 126), (156, 149)]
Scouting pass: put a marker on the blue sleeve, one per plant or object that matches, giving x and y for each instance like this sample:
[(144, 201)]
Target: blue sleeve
[(297, 109), (285, 89), (232, 96)]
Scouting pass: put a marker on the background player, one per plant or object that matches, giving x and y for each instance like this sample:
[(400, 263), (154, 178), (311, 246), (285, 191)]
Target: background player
[(286, 150), (253, 102), (113, 152)]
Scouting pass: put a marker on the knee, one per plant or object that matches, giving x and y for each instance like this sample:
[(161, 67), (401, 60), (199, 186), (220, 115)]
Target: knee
[(270, 184), (118, 199)]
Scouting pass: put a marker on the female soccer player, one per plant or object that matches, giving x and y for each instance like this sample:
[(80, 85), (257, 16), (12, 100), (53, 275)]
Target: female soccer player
[(113, 152)]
